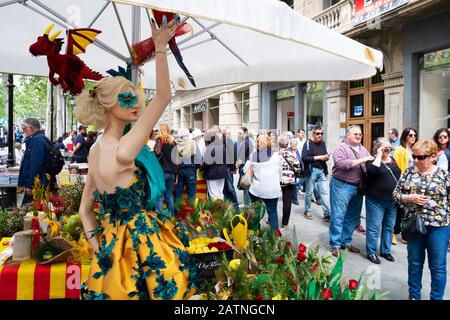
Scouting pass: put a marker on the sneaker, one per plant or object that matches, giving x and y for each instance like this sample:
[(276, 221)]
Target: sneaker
[(295, 202), (308, 215), (360, 229), (326, 219)]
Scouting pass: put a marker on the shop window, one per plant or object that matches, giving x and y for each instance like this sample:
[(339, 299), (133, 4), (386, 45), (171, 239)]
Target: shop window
[(378, 103), (357, 106), (285, 93), (314, 105), (434, 108)]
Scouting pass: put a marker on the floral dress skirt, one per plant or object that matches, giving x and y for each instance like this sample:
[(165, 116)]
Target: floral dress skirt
[(140, 255)]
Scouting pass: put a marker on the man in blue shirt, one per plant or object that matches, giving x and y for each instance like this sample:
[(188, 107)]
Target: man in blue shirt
[(80, 153), (34, 159), (393, 139)]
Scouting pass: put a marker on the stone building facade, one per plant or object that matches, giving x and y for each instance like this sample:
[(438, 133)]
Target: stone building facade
[(413, 89)]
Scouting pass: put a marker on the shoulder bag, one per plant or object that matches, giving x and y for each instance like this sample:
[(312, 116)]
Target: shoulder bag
[(413, 226), (246, 179), (297, 172)]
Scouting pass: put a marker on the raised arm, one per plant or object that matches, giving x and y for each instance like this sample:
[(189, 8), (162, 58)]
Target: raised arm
[(131, 144)]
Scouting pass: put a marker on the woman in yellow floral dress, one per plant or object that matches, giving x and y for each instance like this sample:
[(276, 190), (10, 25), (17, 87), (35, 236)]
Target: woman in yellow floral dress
[(137, 254)]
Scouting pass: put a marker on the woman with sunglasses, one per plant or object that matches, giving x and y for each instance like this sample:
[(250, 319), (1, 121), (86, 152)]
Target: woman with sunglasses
[(381, 212), (137, 252), (424, 189), (441, 138), (403, 158)]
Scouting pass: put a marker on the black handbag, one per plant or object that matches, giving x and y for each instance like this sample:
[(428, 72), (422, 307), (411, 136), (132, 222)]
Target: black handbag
[(412, 227)]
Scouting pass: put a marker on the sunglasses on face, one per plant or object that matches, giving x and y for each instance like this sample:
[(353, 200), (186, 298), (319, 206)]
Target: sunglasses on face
[(443, 137), (387, 149), (412, 135), (420, 157), (318, 133)]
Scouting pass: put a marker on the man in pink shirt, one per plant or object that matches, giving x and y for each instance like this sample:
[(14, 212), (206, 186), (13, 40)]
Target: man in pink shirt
[(349, 166)]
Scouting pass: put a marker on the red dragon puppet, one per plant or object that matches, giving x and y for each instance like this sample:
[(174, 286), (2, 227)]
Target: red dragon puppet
[(71, 70), (145, 49)]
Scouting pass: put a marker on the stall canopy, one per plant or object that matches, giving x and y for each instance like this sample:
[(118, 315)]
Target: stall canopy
[(233, 41)]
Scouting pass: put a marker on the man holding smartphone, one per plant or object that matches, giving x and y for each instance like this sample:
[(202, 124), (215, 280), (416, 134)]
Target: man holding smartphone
[(315, 157)]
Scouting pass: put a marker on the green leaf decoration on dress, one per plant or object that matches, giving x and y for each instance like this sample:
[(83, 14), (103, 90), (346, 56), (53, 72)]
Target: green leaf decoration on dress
[(127, 100), (153, 262), (104, 257), (166, 289)]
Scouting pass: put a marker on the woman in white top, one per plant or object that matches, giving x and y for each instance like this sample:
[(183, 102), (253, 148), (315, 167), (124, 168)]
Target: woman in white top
[(266, 167)]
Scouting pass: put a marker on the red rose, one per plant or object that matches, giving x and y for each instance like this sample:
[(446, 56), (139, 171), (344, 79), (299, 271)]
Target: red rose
[(326, 293), (327, 277), (294, 288), (353, 284), (189, 209), (301, 256), (58, 211), (280, 260), (314, 267), (277, 232), (301, 247), (181, 215), (288, 244), (259, 297), (96, 205)]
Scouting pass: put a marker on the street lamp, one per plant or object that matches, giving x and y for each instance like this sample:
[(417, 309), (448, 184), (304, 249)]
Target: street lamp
[(72, 103)]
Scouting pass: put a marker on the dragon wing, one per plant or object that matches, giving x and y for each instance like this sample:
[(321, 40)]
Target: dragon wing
[(79, 39)]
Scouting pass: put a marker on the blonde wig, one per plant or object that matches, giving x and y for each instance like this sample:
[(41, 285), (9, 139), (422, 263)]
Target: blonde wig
[(164, 133), (93, 105)]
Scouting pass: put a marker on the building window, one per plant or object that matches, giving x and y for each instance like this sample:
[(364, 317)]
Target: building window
[(329, 3), (434, 107), (365, 107), (357, 106), (245, 108), (290, 3), (378, 103)]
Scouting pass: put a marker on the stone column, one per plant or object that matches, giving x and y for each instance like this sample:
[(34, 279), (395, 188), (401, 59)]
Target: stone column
[(334, 113), (254, 109), (230, 111), (393, 101)]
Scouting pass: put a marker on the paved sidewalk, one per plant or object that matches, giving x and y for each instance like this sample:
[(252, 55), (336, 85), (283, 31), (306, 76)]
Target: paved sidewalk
[(390, 277)]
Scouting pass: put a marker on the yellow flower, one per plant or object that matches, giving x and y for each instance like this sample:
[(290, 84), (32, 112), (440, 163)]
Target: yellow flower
[(198, 228), (234, 264), (279, 297)]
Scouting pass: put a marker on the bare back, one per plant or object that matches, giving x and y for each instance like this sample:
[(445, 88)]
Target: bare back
[(104, 169)]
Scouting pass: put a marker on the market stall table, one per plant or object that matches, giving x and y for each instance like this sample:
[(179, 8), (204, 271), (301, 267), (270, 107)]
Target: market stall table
[(29, 280)]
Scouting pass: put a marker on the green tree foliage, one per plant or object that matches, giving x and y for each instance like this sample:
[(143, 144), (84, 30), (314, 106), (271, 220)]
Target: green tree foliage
[(30, 97)]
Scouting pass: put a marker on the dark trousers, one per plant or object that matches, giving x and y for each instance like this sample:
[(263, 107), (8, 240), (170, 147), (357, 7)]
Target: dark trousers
[(228, 189), (288, 192), (398, 220)]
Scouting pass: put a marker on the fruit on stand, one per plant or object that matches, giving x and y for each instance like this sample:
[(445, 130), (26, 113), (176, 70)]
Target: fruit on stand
[(73, 227)]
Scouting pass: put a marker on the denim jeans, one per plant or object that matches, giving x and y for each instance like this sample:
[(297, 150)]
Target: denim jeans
[(435, 243), (228, 190), (271, 205), (317, 178), (380, 215), (169, 179), (186, 176), (346, 204)]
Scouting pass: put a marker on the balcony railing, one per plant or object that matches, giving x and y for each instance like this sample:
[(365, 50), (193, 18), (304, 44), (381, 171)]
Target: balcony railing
[(338, 17)]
